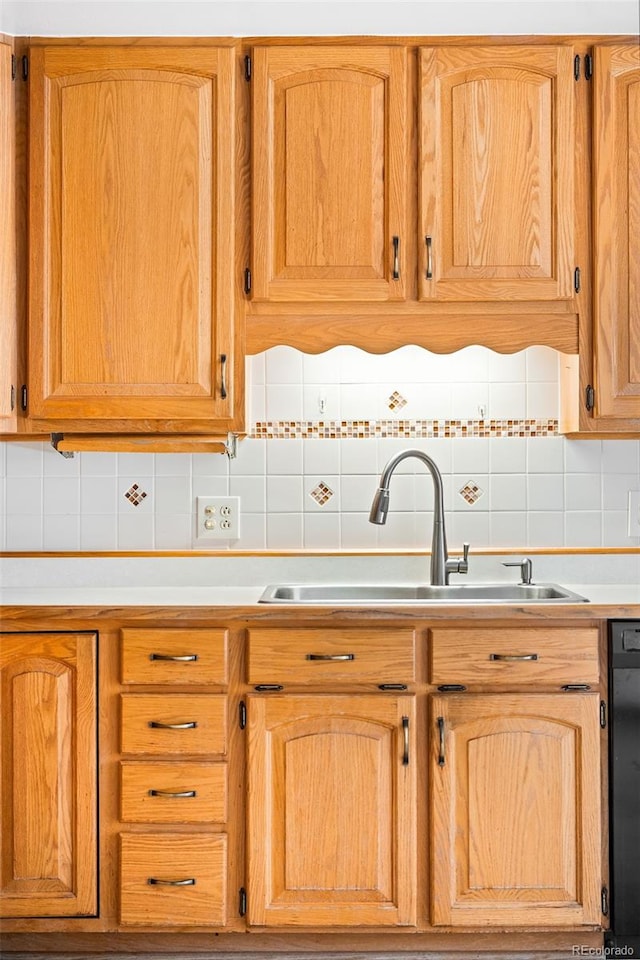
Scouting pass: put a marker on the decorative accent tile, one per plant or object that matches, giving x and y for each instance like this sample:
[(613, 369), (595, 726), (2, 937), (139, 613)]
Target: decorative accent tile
[(409, 429), (471, 492), (396, 401), (135, 495), (321, 493)]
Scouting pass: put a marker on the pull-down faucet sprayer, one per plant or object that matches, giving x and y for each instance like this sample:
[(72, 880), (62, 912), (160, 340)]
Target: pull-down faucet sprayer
[(441, 565)]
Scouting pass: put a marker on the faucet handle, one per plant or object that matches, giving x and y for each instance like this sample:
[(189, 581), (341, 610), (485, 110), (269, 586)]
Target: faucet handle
[(526, 568), (463, 565)]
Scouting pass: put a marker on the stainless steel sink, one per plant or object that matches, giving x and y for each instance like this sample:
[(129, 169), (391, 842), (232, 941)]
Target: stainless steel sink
[(376, 593)]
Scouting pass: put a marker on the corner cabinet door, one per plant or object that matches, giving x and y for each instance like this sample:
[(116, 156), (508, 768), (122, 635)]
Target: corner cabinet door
[(48, 840), (329, 173), (131, 232), (331, 811), (497, 156), (515, 829), (616, 222)]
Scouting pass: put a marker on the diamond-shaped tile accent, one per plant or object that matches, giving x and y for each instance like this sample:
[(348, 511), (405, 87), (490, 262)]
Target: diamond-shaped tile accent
[(471, 491), (135, 495), (396, 401), (321, 493)]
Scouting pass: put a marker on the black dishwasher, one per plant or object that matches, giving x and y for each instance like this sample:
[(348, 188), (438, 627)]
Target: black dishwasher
[(624, 783)]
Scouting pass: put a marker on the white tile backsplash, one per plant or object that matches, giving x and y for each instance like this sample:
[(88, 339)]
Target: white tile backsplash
[(535, 492)]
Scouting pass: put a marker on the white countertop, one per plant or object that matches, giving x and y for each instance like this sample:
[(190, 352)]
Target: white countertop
[(604, 579)]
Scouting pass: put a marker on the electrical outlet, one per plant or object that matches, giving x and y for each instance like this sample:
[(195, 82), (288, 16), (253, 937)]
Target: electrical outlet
[(217, 518), (634, 513)]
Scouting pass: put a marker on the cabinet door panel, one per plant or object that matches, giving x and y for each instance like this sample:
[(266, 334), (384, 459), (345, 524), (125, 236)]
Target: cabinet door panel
[(497, 173), (331, 819), (516, 816), (48, 783), (617, 230), (131, 232), (329, 172)]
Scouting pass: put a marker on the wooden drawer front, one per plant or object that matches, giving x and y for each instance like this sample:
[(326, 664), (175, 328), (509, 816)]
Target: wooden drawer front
[(146, 656), (208, 712), (173, 792), (562, 655), (361, 656), (170, 857)]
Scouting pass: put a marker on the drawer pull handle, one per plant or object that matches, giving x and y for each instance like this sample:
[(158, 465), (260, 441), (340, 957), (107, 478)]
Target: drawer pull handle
[(169, 793), (405, 741), (396, 257), (155, 881), (331, 656), (189, 658), (441, 741), (513, 656), (157, 725), (429, 271)]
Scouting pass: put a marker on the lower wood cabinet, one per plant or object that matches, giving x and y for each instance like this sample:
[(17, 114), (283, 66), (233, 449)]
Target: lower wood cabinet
[(173, 880), (332, 823), (48, 838), (515, 799)]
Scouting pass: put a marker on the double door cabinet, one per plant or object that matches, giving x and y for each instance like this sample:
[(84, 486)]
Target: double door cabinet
[(422, 777), (189, 201)]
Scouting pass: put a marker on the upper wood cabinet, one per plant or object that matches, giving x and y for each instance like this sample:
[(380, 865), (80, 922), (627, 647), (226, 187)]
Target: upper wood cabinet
[(496, 186), (131, 227), (48, 768), (329, 173), (8, 320), (616, 231)]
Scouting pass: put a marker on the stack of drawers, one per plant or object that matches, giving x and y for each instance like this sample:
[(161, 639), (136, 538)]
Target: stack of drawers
[(173, 859)]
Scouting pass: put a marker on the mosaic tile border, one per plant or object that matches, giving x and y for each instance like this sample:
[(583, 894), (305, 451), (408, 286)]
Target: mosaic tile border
[(420, 429)]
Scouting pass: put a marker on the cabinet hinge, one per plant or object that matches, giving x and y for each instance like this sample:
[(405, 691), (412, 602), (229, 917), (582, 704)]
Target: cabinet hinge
[(13, 397), (577, 280), (25, 68), (14, 66), (247, 67), (589, 398), (242, 714), (452, 688), (242, 902), (604, 901), (576, 67), (24, 396), (603, 714), (588, 66), (247, 281)]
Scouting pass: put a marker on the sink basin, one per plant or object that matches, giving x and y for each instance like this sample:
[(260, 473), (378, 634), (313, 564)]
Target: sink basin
[(374, 593)]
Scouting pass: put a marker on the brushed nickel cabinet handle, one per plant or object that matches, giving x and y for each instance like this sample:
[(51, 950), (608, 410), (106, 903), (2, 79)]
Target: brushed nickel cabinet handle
[(429, 273), (441, 745), (396, 257), (223, 370), (169, 793), (157, 725), (331, 656), (189, 882), (511, 657), (405, 741), (167, 656)]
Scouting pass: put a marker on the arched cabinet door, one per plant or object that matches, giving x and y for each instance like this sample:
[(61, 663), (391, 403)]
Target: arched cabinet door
[(497, 173), (331, 837), (515, 828), (329, 173), (48, 840), (131, 233)]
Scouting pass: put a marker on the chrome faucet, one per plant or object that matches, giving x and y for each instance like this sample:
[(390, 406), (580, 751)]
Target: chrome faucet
[(441, 564)]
